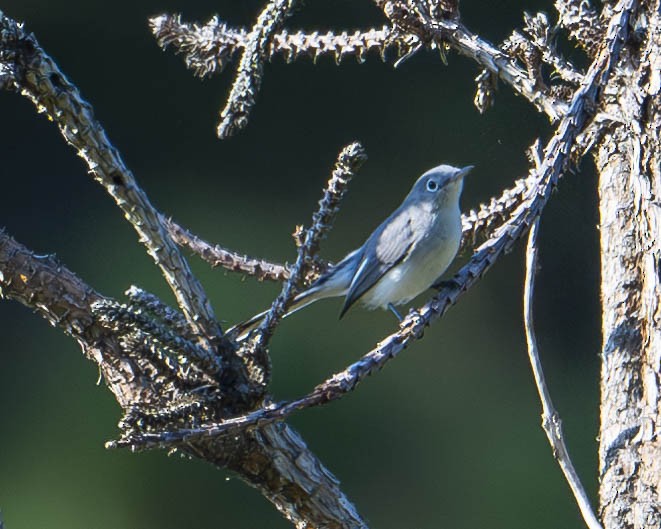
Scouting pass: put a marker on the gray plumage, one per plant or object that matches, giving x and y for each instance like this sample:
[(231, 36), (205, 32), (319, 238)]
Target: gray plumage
[(402, 258)]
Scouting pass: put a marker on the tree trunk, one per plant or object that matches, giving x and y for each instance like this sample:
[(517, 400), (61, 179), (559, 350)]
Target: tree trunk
[(629, 193)]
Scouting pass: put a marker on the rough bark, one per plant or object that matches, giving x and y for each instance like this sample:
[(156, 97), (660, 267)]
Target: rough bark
[(628, 162), (273, 459)]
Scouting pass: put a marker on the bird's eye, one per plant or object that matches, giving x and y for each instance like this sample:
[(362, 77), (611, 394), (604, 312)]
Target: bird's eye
[(432, 185)]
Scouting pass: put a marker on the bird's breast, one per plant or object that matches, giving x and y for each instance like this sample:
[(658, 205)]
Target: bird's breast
[(428, 259)]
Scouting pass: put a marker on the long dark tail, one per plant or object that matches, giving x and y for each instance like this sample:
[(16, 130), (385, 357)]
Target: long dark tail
[(333, 283), (240, 330)]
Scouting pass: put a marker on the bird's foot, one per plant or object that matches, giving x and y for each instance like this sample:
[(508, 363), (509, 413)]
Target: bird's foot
[(392, 309)]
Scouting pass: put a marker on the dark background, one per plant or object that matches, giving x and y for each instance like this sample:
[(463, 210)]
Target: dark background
[(448, 434)]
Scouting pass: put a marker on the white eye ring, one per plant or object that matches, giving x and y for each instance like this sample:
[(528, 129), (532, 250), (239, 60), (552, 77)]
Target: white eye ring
[(432, 185)]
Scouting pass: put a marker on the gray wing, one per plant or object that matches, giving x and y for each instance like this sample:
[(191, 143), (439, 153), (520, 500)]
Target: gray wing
[(386, 247)]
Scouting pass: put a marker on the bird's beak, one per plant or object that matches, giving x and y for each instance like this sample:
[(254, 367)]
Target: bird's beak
[(461, 173), (464, 171)]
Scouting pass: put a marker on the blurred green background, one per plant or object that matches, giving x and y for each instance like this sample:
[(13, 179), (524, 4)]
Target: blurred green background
[(448, 434)]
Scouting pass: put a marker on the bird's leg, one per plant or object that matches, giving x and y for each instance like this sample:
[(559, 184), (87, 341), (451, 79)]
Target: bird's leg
[(392, 309)]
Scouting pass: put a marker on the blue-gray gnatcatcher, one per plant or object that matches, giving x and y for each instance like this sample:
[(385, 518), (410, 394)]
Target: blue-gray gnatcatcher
[(402, 258)]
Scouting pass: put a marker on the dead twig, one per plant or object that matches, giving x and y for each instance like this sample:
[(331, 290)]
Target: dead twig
[(216, 255), (35, 75), (208, 48), (248, 78), (556, 158), (551, 422), (348, 162)]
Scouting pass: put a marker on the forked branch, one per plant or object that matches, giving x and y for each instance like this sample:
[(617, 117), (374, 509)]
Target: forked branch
[(556, 159), (209, 48), (30, 71), (348, 162), (269, 456), (248, 78)]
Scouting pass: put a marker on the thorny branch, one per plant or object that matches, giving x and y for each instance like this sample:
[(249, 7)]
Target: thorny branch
[(296, 481), (29, 70), (208, 48), (441, 30), (216, 255), (348, 162), (249, 73), (557, 157), (583, 23), (477, 225), (25, 67)]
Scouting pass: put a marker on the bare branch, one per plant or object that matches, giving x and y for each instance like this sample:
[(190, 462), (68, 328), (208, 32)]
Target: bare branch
[(34, 74), (141, 334), (541, 36), (411, 328), (350, 159), (452, 32), (557, 156), (492, 214), (249, 73), (208, 48), (274, 459), (218, 256), (485, 93), (62, 299), (582, 22), (551, 422), (534, 46), (348, 162)]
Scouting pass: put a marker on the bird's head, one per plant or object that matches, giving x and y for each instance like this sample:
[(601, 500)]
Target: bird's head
[(441, 185)]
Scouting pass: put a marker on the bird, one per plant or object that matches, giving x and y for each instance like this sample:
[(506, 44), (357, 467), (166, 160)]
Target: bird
[(404, 256)]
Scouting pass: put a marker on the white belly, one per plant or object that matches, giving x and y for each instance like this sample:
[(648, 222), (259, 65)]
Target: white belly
[(427, 262)]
